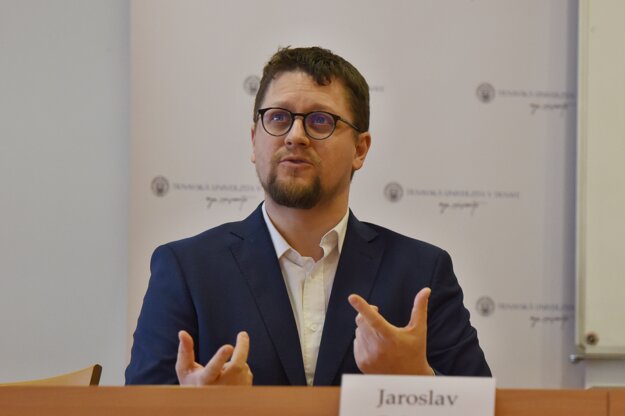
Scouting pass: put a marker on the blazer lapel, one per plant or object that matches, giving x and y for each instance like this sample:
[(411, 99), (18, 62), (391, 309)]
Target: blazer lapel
[(358, 266), (257, 260)]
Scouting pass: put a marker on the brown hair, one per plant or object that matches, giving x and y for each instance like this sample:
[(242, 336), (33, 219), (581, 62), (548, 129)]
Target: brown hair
[(323, 66)]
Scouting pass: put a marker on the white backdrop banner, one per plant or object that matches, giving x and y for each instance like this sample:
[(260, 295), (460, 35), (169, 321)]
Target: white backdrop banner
[(473, 126)]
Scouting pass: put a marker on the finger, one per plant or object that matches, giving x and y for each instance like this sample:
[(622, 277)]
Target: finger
[(241, 349), (365, 335), (357, 342), (360, 320), (419, 314), (186, 357), (213, 368), (368, 312)]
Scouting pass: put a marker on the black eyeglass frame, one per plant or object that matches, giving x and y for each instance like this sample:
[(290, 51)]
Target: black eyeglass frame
[(336, 118)]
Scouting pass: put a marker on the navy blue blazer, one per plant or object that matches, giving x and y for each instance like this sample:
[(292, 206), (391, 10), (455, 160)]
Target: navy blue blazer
[(228, 279)]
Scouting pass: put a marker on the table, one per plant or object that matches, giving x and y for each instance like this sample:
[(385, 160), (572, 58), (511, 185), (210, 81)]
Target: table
[(270, 401)]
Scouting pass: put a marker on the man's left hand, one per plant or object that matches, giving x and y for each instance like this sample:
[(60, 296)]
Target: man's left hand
[(382, 348)]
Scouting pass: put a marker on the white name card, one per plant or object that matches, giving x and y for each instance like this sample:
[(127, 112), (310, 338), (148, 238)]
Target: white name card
[(363, 395)]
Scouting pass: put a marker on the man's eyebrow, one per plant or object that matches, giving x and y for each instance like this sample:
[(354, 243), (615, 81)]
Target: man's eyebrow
[(311, 107)]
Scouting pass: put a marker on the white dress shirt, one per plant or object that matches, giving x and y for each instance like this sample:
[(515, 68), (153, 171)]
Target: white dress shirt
[(309, 285)]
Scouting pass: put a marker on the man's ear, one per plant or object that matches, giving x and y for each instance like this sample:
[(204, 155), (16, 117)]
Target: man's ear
[(363, 143), (253, 136)]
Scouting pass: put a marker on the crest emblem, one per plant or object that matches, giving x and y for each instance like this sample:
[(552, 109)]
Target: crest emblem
[(485, 92), (160, 186), (393, 191), (485, 306)]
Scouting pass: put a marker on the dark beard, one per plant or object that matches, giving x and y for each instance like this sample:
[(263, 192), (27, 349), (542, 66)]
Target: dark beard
[(299, 197)]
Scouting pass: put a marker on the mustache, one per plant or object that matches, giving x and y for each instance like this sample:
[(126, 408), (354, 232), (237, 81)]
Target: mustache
[(306, 156)]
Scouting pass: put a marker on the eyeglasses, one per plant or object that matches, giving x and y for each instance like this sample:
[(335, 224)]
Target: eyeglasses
[(318, 125)]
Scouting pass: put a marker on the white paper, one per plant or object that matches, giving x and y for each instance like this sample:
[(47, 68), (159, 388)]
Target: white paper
[(368, 395)]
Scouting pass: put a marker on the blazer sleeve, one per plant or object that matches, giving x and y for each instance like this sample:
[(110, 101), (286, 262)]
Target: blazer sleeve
[(452, 343), (167, 309)]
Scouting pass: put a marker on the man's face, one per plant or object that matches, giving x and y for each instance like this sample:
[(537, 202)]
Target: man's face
[(295, 170)]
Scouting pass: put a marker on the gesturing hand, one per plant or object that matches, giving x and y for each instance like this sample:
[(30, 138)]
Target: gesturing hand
[(218, 370), (382, 348)]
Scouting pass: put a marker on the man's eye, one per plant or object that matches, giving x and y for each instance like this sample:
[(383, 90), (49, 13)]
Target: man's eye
[(319, 119), (279, 117)]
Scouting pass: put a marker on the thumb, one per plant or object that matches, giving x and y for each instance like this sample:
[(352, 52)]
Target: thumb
[(186, 356), (419, 314)]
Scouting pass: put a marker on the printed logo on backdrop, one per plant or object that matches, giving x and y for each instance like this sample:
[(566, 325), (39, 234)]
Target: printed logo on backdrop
[(160, 186), (213, 195), (485, 92), (536, 314), (485, 306), (448, 201), (393, 191), (538, 101), (251, 85)]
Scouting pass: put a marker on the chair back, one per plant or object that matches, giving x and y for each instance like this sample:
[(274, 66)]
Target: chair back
[(89, 376)]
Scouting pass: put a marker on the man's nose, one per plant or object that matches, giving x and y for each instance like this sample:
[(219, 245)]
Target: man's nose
[(297, 135)]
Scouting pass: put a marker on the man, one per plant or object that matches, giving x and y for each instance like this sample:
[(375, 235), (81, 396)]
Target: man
[(305, 290)]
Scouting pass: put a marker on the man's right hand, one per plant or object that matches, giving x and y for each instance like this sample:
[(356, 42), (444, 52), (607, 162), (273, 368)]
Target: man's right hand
[(218, 370)]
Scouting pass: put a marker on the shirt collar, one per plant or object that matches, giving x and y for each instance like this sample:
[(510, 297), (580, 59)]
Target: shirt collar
[(282, 246)]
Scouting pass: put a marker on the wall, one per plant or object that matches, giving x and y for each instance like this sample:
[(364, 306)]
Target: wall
[(600, 196), (64, 170)]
